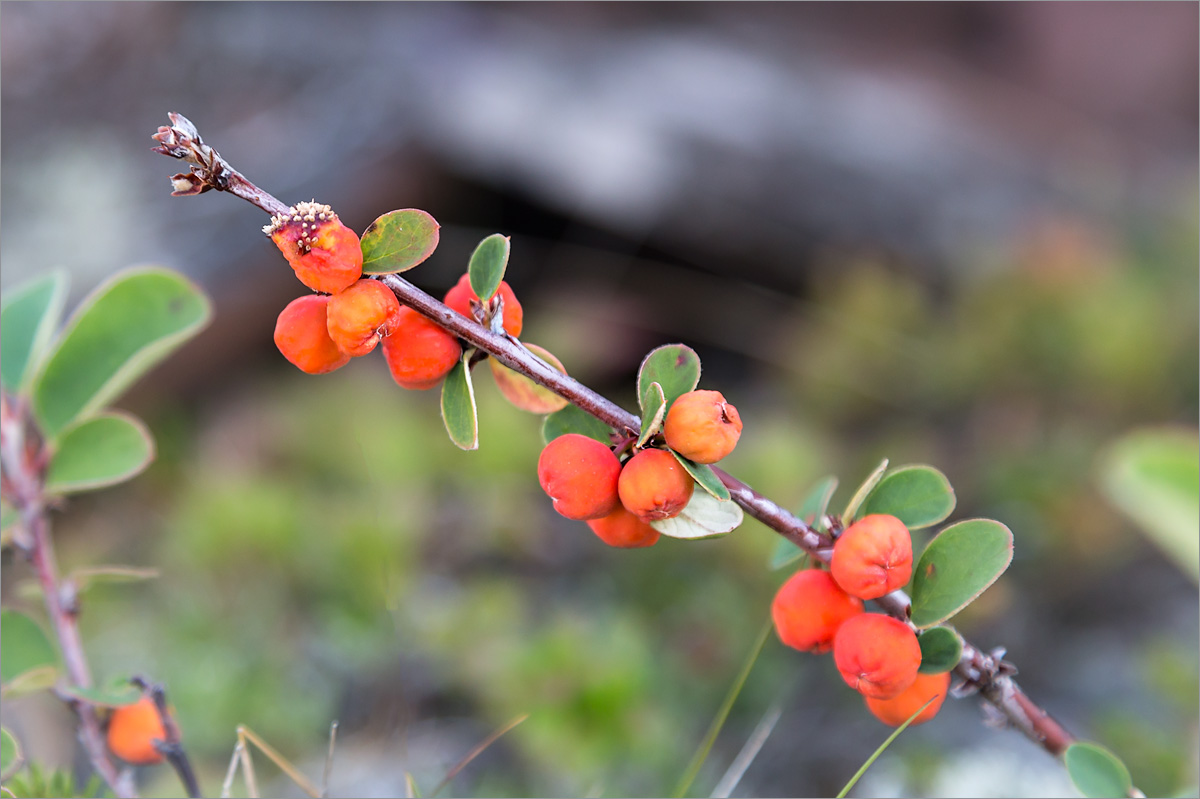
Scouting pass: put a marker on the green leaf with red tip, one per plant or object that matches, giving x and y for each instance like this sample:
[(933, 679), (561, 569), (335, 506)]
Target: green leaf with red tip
[(24, 647), (486, 267), (958, 565), (398, 241), (573, 419), (458, 405), (105, 450), (29, 315), (523, 392), (1097, 772), (654, 410), (917, 495), (863, 491), (814, 507), (705, 516), (704, 475), (941, 649), (11, 758), (675, 367), (126, 327)]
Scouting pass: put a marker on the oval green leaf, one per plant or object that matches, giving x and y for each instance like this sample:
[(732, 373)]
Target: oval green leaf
[(116, 694), (90, 576), (861, 493), (1096, 771), (119, 333), (24, 647), (957, 566), (814, 506), (11, 758), (941, 649), (572, 419), (918, 495), (1152, 476), (458, 405), (104, 450), (704, 517), (398, 241), (654, 410), (486, 267), (29, 315), (703, 474), (523, 392), (675, 367)]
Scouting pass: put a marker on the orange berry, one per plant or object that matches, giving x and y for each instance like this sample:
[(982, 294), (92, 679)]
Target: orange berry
[(895, 711), (580, 474), (702, 426), (877, 655), (324, 253), (622, 529), (132, 730), (872, 557), (809, 608), (419, 354), (361, 315), (302, 335), (460, 296), (654, 485)]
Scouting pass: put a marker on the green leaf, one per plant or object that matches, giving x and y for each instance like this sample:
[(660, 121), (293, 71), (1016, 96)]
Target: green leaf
[(1096, 771), (654, 410), (23, 646), (1153, 475), (116, 694), (11, 757), (882, 748), (918, 495), (104, 450), (486, 268), (398, 241), (90, 576), (863, 492), (811, 510), (458, 405), (676, 369), (957, 566), (124, 328), (941, 649), (704, 517), (573, 419), (523, 392), (703, 474), (28, 316)]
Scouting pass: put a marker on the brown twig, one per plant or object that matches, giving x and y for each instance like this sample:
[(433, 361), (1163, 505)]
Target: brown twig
[(987, 674), (170, 747)]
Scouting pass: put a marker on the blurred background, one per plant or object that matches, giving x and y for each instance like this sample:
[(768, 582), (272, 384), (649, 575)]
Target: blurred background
[(960, 234)]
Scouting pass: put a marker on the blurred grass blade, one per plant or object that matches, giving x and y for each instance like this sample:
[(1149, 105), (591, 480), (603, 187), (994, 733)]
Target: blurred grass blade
[(279, 760), (411, 791), (476, 752), (333, 728), (754, 745), (231, 772), (896, 734), (714, 729)]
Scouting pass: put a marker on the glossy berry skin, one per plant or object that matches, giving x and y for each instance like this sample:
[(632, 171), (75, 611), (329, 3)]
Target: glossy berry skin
[(580, 475), (654, 485), (460, 296), (302, 335), (873, 557), (419, 354), (809, 608), (876, 655), (325, 254), (361, 315), (895, 711), (703, 427), (622, 529), (132, 730)]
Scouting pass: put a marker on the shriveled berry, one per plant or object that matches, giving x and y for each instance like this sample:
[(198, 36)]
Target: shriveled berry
[(302, 335), (462, 295), (324, 253), (702, 426), (872, 557), (895, 711), (580, 474), (132, 731), (622, 529), (877, 655), (361, 315), (654, 485), (809, 608), (419, 354)]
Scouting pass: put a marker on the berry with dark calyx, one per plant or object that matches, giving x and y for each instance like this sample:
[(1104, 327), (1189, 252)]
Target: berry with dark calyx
[(461, 296), (132, 731), (872, 557), (361, 315), (324, 253), (878, 656), (419, 354), (895, 711), (809, 608), (580, 474), (622, 529), (302, 335), (654, 485), (702, 427)]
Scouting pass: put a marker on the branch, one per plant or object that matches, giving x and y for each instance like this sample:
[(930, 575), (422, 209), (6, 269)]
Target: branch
[(983, 673)]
